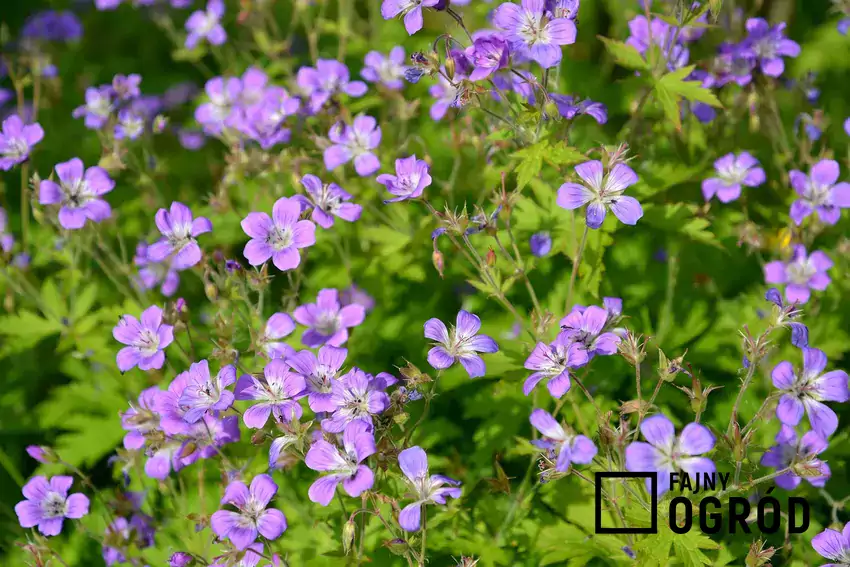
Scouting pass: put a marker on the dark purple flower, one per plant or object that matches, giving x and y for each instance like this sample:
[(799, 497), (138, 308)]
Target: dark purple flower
[(834, 545), (276, 395), (805, 392), (327, 320), (665, 453), (47, 504), (51, 25), (568, 108), (328, 200), (319, 373), (410, 9), (566, 448), (145, 340), (345, 466), (553, 363), (206, 24), (356, 141), (328, 78), (487, 54), (278, 237), (790, 451), (410, 180), (77, 193), (203, 394), (179, 229), (97, 108), (17, 140), (462, 344), (426, 489), (801, 274), (540, 243), (278, 326), (602, 192), (819, 192), (357, 397), (768, 45), (732, 172), (533, 35), (253, 518), (387, 70)]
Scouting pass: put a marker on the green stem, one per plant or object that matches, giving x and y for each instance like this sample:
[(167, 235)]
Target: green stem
[(576, 262)]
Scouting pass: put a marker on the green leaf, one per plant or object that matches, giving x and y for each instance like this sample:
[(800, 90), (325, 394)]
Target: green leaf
[(688, 548), (681, 218), (625, 55), (670, 103), (531, 162), (692, 90)]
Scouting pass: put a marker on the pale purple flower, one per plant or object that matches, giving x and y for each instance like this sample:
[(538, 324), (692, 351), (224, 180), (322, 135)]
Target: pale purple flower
[(563, 8), (733, 171), (47, 504), (354, 142), (253, 518), (17, 140), (276, 395), (786, 316), (179, 230), (328, 78), (145, 340), (847, 126), (769, 45), (252, 557), (126, 87), (487, 54), (141, 419), (734, 64), (206, 24), (532, 34), (7, 241), (540, 243), (357, 397), (462, 344), (410, 180), (586, 327), (345, 466), (78, 193), (179, 559), (204, 394), (278, 326), (327, 320), (278, 237), (843, 26), (153, 273), (553, 362), (819, 192), (387, 70), (137, 531), (566, 448), (569, 107), (131, 124), (358, 295), (660, 34), (789, 451), (202, 440), (97, 108), (448, 95), (806, 390), (264, 121), (801, 274), (38, 453), (223, 94), (665, 453), (425, 489), (319, 373), (602, 192), (834, 545), (328, 200), (411, 10)]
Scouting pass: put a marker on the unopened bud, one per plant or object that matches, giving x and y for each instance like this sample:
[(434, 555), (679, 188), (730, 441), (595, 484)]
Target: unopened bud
[(491, 257), (450, 67), (348, 531), (211, 292), (439, 263)]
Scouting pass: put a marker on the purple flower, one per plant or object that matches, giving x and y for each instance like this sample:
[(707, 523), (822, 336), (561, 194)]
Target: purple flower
[(320, 374), (568, 108), (137, 532), (328, 322), (358, 443), (126, 87), (785, 317), (278, 326), (791, 451), (357, 397), (734, 64), (179, 559), (252, 557), (278, 237), (448, 95), (834, 545), (540, 243), (358, 295), (487, 54), (17, 140), (355, 141), (38, 453), (462, 344), (410, 180), (768, 45), (131, 124), (566, 448), (179, 230), (223, 93), (732, 172), (97, 108), (426, 489), (7, 241), (660, 34), (153, 273), (50, 25), (203, 438), (805, 392), (47, 504), (328, 200), (410, 9), (264, 121), (203, 394), (665, 453), (78, 193), (145, 340), (601, 193), (277, 395), (385, 70), (801, 274), (563, 8), (328, 78), (141, 419), (843, 26), (206, 24), (253, 517), (531, 34), (819, 192), (586, 328), (553, 362)]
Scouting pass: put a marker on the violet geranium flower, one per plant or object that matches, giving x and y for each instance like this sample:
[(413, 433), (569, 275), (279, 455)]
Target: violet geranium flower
[(206, 24), (328, 200), (253, 516), (179, 230), (204, 394), (834, 545), (153, 273), (78, 193), (387, 70), (47, 504), (358, 443), (97, 108), (276, 394), (426, 489), (819, 192), (566, 449), (665, 453), (553, 361), (585, 326), (789, 450), (356, 397), (320, 373), (602, 192), (488, 54), (410, 9), (410, 179), (145, 340), (540, 244), (328, 78), (532, 34), (769, 45), (462, 344), (354, 142), (732, 172), (278, 237), (278, 326), (141, 419), (327, 320), (801, 274), (805, 392), (17, 140)]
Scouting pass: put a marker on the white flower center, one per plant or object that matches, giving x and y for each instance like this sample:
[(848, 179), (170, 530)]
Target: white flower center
[(53, 505)]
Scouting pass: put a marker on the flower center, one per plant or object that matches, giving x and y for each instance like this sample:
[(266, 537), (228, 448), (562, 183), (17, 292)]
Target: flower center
[(320, 381), (76, 194), (280, 238), (733, 175), (816, 194), (531, 30), (16, 148), (800, 272), (147, 342), (327, 324), (53, 505)]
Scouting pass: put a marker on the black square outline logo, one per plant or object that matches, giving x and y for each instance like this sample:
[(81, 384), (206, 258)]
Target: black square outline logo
[(652, 476)]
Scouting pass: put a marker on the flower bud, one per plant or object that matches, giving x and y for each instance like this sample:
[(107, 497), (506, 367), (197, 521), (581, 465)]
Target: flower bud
[(450, 67), (439, 262), (42, 454), (491, 257), (397, 546)]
